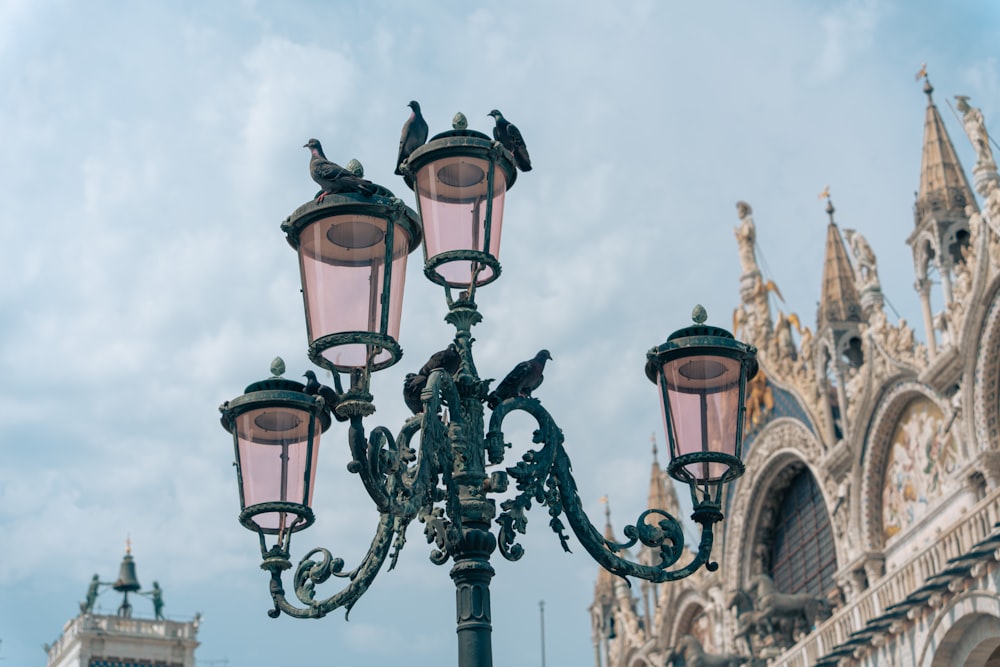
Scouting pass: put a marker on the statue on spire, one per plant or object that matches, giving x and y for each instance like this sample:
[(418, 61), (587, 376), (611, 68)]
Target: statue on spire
[(985, 172), (746, 237), (975, 127)]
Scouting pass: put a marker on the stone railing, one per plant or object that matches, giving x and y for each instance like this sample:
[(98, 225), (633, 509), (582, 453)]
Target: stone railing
[(975, 525), (86, 624)]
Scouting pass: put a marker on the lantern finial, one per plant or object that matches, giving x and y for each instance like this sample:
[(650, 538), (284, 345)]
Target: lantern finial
[(460, 122), (278, 367), (699, 314)]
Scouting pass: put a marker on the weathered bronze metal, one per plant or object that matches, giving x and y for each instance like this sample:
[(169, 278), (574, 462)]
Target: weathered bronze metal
[(444, 482)]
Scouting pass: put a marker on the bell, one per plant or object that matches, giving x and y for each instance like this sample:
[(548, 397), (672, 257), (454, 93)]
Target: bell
[(127, 582)]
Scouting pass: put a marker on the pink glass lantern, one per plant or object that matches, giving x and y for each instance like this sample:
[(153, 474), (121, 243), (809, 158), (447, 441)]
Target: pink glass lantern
[(460, 178), (276, 431), (702, 372), (352, 257)]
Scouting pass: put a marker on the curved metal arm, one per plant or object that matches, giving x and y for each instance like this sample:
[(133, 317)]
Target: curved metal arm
[(399, 479), (309, 573), (546, 477)]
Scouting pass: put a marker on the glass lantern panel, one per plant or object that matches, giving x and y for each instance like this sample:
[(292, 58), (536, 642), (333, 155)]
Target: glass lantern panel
[(703, 394), (274, 453), (453, 194), (343, 263)]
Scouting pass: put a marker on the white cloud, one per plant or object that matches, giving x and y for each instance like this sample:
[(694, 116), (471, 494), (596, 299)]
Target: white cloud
[(849, 31)]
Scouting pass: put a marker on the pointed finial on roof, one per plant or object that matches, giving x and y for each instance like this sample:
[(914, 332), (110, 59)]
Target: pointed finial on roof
[(839, 301), (652, 439), (609, 533), (128, 544), (928, 88), (944, 190)]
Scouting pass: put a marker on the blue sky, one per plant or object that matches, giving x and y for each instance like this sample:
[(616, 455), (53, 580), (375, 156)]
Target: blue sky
[(149, 152)]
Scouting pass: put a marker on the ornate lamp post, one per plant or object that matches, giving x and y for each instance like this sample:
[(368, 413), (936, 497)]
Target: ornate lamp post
[(460, 178)]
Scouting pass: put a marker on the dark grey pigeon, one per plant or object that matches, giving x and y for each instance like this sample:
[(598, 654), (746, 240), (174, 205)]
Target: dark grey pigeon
[(333, 178), (524, 379), (413, 385), (330, 396), (413, 136), (508, 135), (447, 359)]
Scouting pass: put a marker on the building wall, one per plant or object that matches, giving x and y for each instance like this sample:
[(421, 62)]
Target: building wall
[(903, 441)]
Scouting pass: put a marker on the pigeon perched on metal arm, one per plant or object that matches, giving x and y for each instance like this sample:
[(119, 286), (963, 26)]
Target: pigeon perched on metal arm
[(329, 395), (333, 178), (413, 386), (447, 359), (508, 135), (413, 136), (521, 381)]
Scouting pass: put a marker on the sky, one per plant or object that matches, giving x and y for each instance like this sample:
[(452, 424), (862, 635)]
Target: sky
[(149, 152)]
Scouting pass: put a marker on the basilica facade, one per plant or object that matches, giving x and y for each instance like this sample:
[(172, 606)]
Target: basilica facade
[(864, 531)]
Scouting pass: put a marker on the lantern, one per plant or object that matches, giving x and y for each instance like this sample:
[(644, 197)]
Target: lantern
[(460, 178), (702, 372), (276, 429), (352, 257)]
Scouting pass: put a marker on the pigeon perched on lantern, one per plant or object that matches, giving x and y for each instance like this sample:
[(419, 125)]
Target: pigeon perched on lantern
[(521, 381), (413, 135), (331, 177), (329, 395), (507, 134)]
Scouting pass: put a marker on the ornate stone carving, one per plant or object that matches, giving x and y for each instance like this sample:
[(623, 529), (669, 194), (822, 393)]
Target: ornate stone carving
[(688, 652)]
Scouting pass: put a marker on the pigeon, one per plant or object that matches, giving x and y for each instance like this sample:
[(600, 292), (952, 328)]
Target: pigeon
[(413, 136), (413, 385), (524, 379), (508, 135), (332, 177), (447, 359), (330, 396)]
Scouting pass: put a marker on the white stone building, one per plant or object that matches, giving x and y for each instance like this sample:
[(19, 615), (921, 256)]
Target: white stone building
[(92, 639)]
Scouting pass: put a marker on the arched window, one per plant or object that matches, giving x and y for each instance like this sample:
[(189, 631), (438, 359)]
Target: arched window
[(803, 557)]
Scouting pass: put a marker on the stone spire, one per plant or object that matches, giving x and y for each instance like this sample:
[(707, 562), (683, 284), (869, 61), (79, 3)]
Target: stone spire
[(944, 190), (839, 350), (661, 493), (604, 589), (941, 218), (602, 609), (839, 301)]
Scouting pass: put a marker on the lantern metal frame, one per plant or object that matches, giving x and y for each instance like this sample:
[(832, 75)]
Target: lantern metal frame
[(383, 205), (701, 340), (459, 143), (281, 393), (446, 482)]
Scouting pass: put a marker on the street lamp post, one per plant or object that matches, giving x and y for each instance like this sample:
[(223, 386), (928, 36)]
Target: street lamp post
[(352, 253)]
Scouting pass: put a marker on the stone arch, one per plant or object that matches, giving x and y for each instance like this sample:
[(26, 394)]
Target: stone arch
[(878, 451), (965, 633), (689, 608), (956, 238), (784, 446), (986, 388)]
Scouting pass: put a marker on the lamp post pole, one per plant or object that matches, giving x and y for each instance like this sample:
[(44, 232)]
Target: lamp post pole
[(352, 252)]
